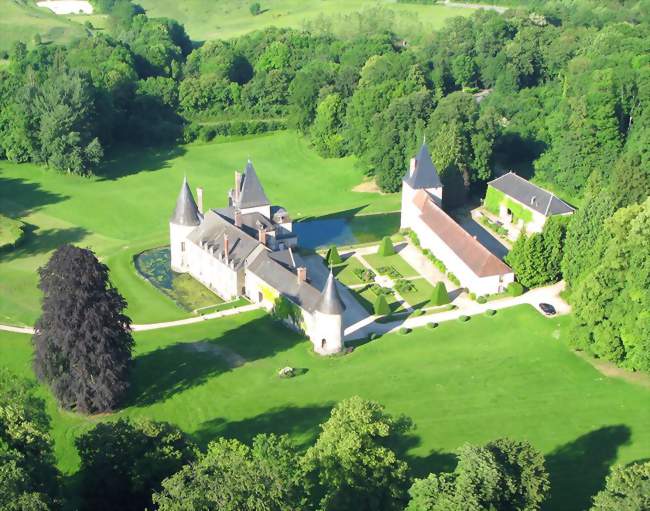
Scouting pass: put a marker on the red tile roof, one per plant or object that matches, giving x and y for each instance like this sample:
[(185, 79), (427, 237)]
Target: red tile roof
[(478, 258)]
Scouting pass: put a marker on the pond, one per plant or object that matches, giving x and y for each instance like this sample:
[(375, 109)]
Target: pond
[(154, 266), (315, 234)]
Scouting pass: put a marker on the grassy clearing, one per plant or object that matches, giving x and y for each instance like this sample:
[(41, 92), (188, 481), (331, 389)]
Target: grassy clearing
[(10, 231), (420, 296), (21, 21), (206, 19), (126, 210), (396, 261), (459, 383), (345, 272)]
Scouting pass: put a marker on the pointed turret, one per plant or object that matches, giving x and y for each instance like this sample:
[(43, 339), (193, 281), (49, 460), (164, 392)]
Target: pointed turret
[(186, 211), (423, 173), (330, 302), (252, 194)]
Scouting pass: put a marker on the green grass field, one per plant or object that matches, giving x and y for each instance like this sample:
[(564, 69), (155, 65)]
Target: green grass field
[(21, 21), (396, 261), (126, 209), (207, 19), (510, 375)]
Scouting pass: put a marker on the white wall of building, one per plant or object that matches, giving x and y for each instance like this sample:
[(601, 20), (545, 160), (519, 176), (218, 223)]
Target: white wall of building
[(178, 247), (216, 275), (468, 279)]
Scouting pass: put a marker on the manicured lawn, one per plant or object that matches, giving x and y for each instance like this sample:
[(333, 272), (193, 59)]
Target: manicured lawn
[(345, 272), (510, 375), (206, 19), (127, 208), (396, 261), (420, 296), (366, 297), (10, 231)]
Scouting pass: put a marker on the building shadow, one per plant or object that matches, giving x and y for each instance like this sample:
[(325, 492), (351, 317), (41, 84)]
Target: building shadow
[(40, 241), (301, 423), (125, 160), (165, 372), (578, 469)]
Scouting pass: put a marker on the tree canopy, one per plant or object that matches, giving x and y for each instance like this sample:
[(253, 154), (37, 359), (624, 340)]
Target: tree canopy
[(83, 341)]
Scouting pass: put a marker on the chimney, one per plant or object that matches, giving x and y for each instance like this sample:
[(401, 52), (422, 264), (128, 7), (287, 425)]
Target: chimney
[(226, 247), (237, 186), (261, 236), (412, 167), (199, 198), (238, 218), (302, 274)]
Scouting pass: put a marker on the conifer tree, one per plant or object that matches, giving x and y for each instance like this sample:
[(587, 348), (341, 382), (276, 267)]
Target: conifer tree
[(440, 295), (386, 247), (380, 306), (333, 257), (83, 340)]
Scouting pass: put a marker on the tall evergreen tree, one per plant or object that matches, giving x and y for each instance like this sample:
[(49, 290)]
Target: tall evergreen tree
[(83, 340)]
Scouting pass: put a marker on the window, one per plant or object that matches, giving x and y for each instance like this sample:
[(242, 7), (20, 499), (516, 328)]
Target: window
[(323, 343), (182, 246), (260, 297)]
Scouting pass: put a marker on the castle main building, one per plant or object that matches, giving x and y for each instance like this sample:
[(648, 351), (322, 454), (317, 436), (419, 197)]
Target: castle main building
[(247, 250)]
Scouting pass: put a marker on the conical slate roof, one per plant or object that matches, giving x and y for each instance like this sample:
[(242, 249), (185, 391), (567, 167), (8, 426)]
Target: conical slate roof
[(252, 194), (186, 211), (425, 174), (330, 302)]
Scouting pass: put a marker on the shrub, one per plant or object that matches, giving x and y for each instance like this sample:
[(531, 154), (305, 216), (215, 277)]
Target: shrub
[(463, 319), (364, 274), (416, 313), (481, 299), (490, 312), (333, 257), (404, 330), (255, 8), (380, 306), (440, 295), (386, 247), (453, 278), (515, 289), (432, 325), (472, 296)]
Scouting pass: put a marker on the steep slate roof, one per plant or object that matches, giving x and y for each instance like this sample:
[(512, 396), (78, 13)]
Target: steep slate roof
[(210, 236), (478, 258), (251, 194), (425, 174), (186, 211), (330, 302), (531, 196), (284, 280)]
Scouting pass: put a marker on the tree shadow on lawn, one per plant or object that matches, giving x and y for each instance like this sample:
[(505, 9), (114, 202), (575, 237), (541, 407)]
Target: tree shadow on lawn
[(303, 421), (40, 241), (127, 160), (578, 469), (158, 375), (19, 197)]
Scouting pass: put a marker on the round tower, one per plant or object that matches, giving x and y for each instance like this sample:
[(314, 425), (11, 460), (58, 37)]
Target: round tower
[(185, 219), (327, 333)]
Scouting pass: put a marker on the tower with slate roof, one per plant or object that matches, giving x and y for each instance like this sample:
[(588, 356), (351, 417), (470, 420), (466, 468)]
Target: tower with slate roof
[(422, 175), (327, 331), (184, 220)]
